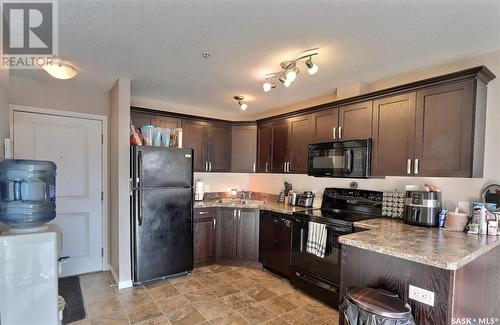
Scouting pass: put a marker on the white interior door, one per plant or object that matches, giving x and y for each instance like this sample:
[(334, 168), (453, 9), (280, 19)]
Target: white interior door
[(75, 145)]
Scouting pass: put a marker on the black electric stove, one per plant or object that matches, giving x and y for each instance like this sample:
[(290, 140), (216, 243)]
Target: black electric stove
[(319, 274)]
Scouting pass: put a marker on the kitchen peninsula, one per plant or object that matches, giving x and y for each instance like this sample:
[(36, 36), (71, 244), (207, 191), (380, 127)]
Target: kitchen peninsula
[(459, 269)]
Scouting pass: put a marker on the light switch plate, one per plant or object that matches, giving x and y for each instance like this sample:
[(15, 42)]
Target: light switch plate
[(7, 148), (421, 295)]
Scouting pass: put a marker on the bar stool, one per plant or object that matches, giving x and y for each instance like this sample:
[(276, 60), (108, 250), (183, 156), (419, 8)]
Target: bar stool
[(366, 306)]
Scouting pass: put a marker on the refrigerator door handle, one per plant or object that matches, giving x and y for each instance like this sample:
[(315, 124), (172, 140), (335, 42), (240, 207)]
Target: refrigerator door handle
[(139, 208), (139, 168)]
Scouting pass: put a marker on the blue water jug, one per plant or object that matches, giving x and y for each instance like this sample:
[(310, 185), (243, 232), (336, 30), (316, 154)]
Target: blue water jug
[(27, 192)]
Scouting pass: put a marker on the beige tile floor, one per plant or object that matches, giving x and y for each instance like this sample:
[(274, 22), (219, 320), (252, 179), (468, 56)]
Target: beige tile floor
[(211, 295)]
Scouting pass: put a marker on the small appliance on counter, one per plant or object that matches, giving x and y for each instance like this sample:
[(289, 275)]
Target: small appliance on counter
[(306, 199), (422, 208), (199, 191), (292, 198)]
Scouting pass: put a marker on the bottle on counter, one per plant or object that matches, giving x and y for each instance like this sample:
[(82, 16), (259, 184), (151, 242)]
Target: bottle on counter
[(442, 217), (493, 228), (483, 222)]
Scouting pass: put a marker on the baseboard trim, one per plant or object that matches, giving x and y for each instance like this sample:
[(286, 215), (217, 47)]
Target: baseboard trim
[(121, 284)]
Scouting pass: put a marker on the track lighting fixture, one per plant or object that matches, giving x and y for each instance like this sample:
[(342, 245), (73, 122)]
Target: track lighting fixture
[(289, 71), (240, 99)]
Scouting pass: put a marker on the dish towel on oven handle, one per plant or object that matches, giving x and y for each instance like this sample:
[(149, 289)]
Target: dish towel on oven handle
[(316, 239)]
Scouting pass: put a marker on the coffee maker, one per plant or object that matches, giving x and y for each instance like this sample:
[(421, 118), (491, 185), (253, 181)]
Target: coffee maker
[(422, 208)]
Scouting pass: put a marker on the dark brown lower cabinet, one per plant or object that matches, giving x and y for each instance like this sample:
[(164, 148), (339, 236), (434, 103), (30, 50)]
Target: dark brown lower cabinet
[(226, 228), (237, 234), (204, 236), (247, 241)]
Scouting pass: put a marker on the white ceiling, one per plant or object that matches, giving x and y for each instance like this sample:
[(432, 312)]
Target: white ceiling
[(158, 45)]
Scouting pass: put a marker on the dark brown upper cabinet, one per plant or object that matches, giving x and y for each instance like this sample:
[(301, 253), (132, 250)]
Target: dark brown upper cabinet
[(279, 148), (299, 138), (244, 149), (211, 143), (219, 147), (167, 122), (194, 137), (447, 123), (325, 124), (436, 132), (393, 135), (264, 145), (355, 121), (139, 119)]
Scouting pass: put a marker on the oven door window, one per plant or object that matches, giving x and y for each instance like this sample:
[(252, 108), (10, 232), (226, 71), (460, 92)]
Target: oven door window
[(327, 266)]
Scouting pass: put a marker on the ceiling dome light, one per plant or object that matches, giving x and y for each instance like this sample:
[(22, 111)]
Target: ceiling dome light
[(243, 106), (61, 70), (311, 67), (287, 82)]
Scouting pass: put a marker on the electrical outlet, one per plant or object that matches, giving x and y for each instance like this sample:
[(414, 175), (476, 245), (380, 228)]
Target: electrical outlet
[(421, 295)]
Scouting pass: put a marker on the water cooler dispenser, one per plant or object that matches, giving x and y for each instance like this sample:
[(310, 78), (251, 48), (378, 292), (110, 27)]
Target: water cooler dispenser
[(29, 247)]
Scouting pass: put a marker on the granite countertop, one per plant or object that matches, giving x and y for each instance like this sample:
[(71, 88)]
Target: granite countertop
[(435, 247), (250, 204)]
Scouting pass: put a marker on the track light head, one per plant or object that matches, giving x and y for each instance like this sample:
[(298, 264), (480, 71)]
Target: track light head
[(268, 85), (311, 67), (240, 99)]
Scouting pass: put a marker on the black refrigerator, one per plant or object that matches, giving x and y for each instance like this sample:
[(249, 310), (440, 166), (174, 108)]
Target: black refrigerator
[(161, 212)]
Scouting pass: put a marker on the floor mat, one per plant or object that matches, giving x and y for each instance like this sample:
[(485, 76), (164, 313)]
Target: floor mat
[(69, 289)]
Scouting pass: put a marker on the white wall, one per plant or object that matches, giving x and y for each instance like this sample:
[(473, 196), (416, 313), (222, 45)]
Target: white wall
[(454, 189), (119, 118), (37, 88), (223, 182), (4, 109)]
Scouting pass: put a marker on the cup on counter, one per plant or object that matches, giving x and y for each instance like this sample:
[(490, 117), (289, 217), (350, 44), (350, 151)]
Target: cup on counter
[(147, 133), (165, 137), (157, 137)]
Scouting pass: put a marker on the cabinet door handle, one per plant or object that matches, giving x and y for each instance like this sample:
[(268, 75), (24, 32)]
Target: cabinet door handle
[(266, 166), (239, 214), (416, 167), (334, 133), (202, 212), (206, 166), (408, 166), (209, 166), (288, 167), (214, 222), (234, 213), (340, 132), (253, 167)]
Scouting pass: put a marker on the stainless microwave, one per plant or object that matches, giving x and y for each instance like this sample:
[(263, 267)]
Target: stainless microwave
[(348, 159)]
